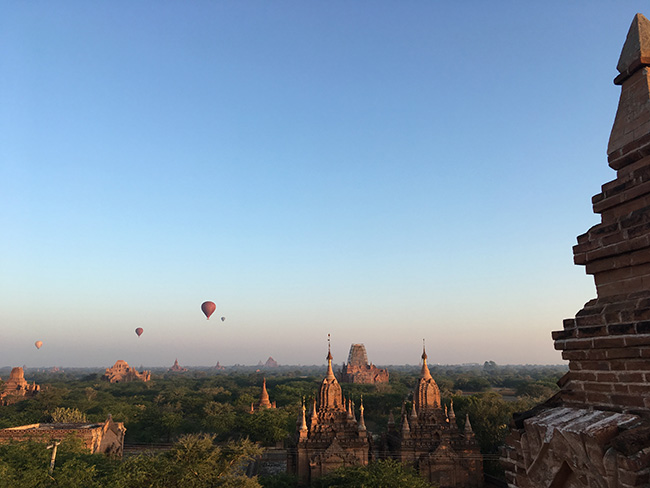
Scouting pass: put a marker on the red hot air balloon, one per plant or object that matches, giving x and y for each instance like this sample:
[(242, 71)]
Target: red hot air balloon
[(139, 331), (38, 344), (208, 308)]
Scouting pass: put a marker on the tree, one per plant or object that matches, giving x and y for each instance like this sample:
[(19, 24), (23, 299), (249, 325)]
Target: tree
[(380, 474), (67, 415)]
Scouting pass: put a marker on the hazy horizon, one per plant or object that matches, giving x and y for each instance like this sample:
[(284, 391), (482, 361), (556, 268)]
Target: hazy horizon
[(378, 171)]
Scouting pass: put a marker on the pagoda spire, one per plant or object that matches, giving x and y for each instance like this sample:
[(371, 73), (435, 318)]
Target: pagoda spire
[(468, 426), (330, 372), (406, 430), (314, 417), (414, 413), (426, 374), (636, 50), (362, 422), (330, 395), (264, 397), (303, 424)]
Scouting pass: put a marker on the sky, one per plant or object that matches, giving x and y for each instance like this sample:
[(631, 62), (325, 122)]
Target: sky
[(381, 171)]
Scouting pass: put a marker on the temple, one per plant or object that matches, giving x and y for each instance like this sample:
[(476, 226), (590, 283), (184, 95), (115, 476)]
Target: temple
[(122, 372), (332, 437), (595, 432), (100, 438), (177, 368), (428, 438), (264, 402), (16, 388), (357, 370)]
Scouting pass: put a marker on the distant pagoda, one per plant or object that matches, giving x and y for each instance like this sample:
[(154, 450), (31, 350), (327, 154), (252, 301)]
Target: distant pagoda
[(177, 368), (357, 370), (121, 372), (264, 402), (17, 388)]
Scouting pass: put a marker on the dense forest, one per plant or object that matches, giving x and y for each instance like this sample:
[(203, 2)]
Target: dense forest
[(209, 411)]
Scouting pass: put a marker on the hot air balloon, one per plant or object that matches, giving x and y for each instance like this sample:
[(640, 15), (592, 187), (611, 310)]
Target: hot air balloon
[(223, 319), (208, 308), (38, 344), (139, 331)]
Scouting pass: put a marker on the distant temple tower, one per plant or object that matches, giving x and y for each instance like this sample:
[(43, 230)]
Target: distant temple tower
[(331, 437), (595, 432), (121, 372), (429, 439), (359, 371), (177, 368), (16, 388)]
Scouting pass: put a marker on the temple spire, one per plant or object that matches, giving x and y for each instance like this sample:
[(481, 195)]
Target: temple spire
[(406, 429), (362, 423), (303, 424), (468, 426), (264, 397), (314, 417), (426, 374), (414, 414), (330, 372), (636, 50)]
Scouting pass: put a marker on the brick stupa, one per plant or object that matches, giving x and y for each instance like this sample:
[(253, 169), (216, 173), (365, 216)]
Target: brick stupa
[(596, 431)]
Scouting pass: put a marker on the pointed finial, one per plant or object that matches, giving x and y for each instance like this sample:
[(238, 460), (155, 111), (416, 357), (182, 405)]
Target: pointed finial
[(330, 372), (405, 426), (426, 374), (362, 422), (636, 50), (468, 426), (303, 423)]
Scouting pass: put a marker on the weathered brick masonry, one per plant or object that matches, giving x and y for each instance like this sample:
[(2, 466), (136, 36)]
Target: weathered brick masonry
[(596, 431)]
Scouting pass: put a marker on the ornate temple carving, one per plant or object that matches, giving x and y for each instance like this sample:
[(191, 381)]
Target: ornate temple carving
[(16, 388), (332, 437), (429, 439), (357, 369), (595, 432), (121, 372)]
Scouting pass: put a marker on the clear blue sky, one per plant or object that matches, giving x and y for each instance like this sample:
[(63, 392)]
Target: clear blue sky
[(382, 171)]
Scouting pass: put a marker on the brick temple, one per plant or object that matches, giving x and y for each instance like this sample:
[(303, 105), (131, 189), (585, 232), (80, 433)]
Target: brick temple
[(17, 388), (357, 369), (595, 432), (428, 438), (99, 438), (121, 372), (332, 437)]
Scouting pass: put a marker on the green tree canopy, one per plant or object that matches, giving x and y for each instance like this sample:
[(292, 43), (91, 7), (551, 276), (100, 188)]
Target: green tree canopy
[(380, 474)]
